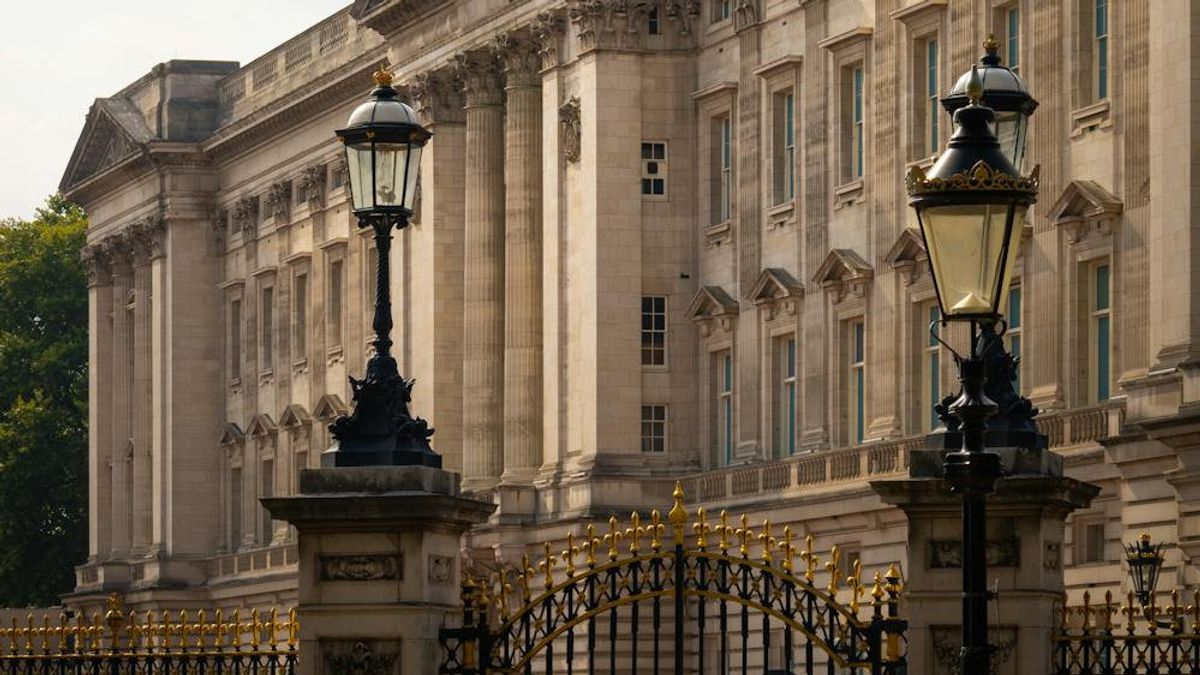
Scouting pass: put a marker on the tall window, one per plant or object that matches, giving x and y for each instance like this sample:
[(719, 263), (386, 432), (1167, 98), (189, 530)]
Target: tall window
[(654, 169), (336, 290), (785, 396), (931, 365), (1090, 547), (1100, 48), (235, 507), (1101, 333), (932, 113), (785, 146), (1012, 37), (654, 330), (654, 22), (857, 390), (267, 328), (722, 9), (268, 490), (1013, 336), (723, 379), (235, 339), (725, 167), (852, 123), (300, 316), (654, 428)]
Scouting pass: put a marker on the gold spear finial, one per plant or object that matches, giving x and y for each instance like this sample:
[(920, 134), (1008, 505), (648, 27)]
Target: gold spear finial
[(677, 516), (702, 529), (383, 75), (569, 554)]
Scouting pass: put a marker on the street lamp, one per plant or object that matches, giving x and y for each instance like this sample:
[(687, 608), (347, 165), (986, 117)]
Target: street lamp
[(383, 142), (971, 208), (1145, 560), (1006, 94)]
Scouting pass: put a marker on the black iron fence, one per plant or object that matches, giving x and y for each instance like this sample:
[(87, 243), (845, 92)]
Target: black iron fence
[(1111, 638)]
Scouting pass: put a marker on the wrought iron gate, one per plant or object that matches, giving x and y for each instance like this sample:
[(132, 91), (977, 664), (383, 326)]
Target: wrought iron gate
[(726, 599)]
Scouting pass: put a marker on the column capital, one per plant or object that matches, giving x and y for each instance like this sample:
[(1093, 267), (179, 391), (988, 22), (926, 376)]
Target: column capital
[(609, 24), (118, 248), (479, 73), (520, 60), (438, 96), (145, 238), (98, 263), (548, 30)]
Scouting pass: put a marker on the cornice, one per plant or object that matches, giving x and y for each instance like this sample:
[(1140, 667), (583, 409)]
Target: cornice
[(281, 115), (388, 16)]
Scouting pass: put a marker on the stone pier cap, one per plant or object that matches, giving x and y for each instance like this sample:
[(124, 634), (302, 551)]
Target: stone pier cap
[(371, 498)]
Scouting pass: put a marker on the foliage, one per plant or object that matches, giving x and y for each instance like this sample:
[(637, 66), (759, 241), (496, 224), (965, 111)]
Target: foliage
[(43, 404)]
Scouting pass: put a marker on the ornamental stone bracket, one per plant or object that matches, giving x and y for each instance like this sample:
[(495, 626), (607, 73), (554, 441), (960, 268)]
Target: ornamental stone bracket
[(745, 15), (608, 24), (548, 31), (245, 214), (310, 184), (570, 129), (685, 13), (279, 199)]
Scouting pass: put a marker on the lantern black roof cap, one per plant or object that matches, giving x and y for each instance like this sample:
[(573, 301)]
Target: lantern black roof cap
[(385, 114), (1003, 90)]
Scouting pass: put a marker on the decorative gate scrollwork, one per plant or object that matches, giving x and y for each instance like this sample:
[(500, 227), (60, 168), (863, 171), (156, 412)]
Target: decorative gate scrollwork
[(632, 600)]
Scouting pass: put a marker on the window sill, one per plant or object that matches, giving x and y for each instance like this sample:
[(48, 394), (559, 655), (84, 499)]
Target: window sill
[(266, 376), (848, 194), (1090, 118), (334, 355), (715, 235), (655, 198), (654, 368)]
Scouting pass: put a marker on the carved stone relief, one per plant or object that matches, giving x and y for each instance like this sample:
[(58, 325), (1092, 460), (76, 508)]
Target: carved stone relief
[(608, 24), (948, 553), (684, 13), (381, 567), (570, 129), (947, 640), (279, 199), (245, 214), (311, 184), (548, 30), (440, 567), (361, 657)]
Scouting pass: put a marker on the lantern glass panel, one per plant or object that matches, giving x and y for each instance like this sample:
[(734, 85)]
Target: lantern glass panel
[(1009, 129), (391, 174), (967, 250), (358, 161)]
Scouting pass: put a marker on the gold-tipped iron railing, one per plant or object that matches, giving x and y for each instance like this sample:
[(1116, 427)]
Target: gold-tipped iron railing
[(119, 641), (1115, 638)]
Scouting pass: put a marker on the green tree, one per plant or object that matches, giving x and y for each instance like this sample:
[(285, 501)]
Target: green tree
[(43, 404)]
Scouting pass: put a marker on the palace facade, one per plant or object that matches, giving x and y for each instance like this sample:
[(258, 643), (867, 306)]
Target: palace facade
[(656, 240)]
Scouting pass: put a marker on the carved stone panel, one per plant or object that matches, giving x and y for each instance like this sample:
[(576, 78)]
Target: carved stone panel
[(311, 184), (947, 553), (440, 568), (946, 641), (378, 567), (245, 214), (362, 656), (279, 198), (570, 129)]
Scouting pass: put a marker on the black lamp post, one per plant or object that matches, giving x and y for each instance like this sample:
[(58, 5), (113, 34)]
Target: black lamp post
[(971, 208), (1145, 560), (383, 142)]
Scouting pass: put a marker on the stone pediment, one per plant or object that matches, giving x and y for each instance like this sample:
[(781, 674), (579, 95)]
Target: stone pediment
[(907, 256), (1084, 206), (231, 436), (261, 426), (388, 16), (844, 270), (330, 407), (114, 132), (294, 417), (775, 283), (710, 302)]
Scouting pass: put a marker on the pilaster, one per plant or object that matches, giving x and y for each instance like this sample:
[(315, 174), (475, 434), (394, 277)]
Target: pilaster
[(100, 383), (749, 225), (142, 235), (483, 294), (122, 356)]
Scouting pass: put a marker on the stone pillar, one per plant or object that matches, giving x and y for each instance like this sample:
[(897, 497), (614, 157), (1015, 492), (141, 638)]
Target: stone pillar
[(100, 344), (141, 396), (122, 404), (379, 555), (522, 258), (483, 293), (1026, 519)]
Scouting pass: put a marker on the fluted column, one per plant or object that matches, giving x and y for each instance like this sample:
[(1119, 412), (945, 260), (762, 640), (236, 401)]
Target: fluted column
[(122, 403), (100, 307), (142, 417), (483, 292), (522, 257)]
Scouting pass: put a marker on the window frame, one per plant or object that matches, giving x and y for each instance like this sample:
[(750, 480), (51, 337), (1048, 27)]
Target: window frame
[(786, 382), (235, 319), (266, 327), (856, 390), (1013, 336), (725, 168), (335, 321), (653, 313), (1100, 329), (301, 292), (657, 421), (661, 169), (1100, 21), (723, 427)]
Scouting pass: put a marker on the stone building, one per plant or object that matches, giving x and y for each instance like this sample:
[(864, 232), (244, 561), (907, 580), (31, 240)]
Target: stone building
[(655, 240)]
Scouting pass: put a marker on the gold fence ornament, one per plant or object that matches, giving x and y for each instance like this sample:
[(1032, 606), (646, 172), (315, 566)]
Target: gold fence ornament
[(656, 530), (293, 629), (788, 549), (877, 591), (723, 530), (634, 533), (810, 560), (701, 528), (569, 553), (835, 557), (1087, 611), (677, 515), (547, 566), (856, 590), (613, 539), (767, 542), (744, 535), (1108, 611), (523, 578)]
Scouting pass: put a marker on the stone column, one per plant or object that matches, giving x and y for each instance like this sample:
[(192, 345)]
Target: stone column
[(483, 293), (379, 564), (122, 403), (522, 258), (1026, 519), (100, 344), (141, 394)]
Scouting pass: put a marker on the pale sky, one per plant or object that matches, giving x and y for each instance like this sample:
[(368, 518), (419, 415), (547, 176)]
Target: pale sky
[(57, 56)]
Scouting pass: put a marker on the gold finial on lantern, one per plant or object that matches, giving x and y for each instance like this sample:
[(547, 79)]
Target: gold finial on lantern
[(383, 75)]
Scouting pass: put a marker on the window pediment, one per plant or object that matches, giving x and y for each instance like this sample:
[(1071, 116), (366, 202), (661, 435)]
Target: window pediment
[(330, 407), (232, 436), (776, 289), (1085, 207), (262, 426), (907, 256), (713, 305), (844, 271), (294, 417)]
